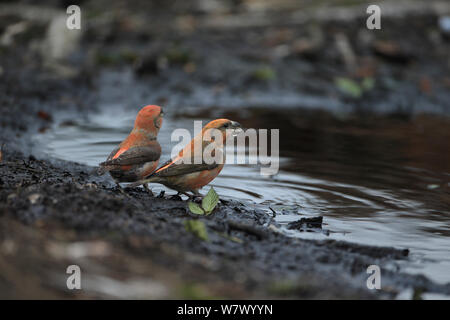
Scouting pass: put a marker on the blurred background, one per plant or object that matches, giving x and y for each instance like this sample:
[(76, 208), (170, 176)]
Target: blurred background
[(363, 114)]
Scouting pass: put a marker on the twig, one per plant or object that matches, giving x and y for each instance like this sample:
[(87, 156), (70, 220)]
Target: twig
[(247, 228), (274, 212)]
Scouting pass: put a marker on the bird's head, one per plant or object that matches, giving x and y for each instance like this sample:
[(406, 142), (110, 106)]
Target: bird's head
[(149, 119), (215, 132), (226, 126)]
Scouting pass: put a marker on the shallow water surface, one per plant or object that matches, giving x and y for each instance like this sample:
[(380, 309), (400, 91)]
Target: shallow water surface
[(378, 181)]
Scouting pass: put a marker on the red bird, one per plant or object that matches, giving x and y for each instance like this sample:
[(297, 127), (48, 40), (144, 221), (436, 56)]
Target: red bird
[(138, 155), (183, 173)]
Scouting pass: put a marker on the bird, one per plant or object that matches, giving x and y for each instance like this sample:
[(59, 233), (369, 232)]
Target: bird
[(190, 171), (138, 155)]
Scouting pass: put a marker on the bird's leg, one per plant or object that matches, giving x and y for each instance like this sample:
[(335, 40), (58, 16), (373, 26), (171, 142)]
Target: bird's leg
[(180, 193), (177, 196), (121, 190), (146, 187), (196, 194)]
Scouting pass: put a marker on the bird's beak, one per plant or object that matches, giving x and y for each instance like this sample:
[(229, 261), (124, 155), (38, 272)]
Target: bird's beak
[(235, 125), (237, 128)]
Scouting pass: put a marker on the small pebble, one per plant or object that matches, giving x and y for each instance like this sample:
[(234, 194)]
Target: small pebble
[(34, 198)]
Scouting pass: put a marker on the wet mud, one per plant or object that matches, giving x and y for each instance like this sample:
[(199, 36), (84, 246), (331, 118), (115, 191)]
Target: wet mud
[(57, 215)]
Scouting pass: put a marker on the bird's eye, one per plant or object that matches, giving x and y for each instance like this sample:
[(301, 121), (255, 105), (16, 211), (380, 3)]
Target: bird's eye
[(226, 125)]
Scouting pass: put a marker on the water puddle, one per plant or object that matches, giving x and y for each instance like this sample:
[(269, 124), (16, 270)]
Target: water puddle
[(383, 182)]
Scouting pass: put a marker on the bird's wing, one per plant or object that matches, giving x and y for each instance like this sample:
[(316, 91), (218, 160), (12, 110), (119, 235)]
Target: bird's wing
[(165, 164), (177, 166), (173, 170), (135, 155), (102, 169), (181, 169)]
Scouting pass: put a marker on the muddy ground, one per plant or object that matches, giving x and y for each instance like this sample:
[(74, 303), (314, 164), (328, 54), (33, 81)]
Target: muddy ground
[(55, 213)]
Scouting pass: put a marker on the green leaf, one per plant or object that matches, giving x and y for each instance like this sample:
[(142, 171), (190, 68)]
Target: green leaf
[(368, 83), (198, 228), (264, 73), (349, 87), (210, 201), (195, 208)]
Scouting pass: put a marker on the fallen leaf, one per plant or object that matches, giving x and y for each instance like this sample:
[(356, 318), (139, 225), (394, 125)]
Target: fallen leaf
[(425, 85), (44, 115), (189, 67), (195, 208), (210, 201), (390, 50), (368, 83), (349, 87), (198, 228), (265, 73)]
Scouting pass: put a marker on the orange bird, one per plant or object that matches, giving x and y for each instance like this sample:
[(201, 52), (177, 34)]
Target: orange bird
[(190, 170), (138, 155)]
